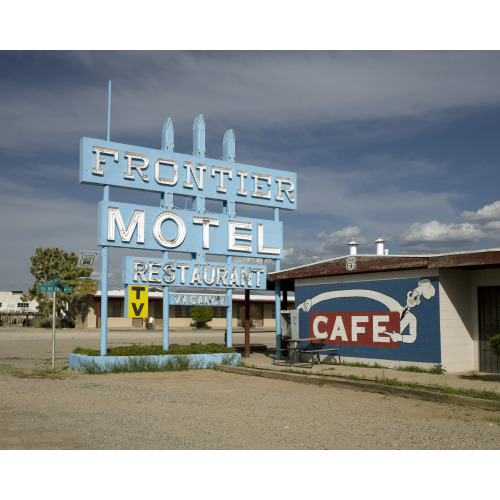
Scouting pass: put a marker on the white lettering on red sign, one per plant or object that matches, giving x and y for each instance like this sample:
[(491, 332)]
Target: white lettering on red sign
[(355, 328)]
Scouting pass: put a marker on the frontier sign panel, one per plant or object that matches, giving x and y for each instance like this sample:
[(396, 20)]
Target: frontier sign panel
[(126, 166), (154, 228)]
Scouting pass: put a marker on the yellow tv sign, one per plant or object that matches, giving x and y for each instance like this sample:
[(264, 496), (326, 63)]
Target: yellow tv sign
[(137, 300)]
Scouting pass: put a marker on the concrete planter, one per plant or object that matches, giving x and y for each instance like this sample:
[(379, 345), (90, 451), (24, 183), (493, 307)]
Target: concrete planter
[(151, 363)]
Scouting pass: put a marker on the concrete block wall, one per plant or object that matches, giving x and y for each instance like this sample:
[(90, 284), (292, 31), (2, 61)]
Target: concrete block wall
[(458, 337)]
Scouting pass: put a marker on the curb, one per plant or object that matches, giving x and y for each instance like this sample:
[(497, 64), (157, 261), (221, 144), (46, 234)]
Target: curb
[(364, 386)]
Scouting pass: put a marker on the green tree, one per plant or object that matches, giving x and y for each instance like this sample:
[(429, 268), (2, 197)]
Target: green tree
[(201, 315), (48, 262)]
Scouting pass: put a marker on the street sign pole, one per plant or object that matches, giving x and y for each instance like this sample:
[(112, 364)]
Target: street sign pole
[(54, 330)]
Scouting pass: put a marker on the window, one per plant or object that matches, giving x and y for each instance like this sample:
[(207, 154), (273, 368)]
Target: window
[(256, 314), (114, 308), (219, 312), (182, 312), (23, 305)]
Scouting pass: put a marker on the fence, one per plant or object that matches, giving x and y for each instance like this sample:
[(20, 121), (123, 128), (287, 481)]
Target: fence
[(24, 318)]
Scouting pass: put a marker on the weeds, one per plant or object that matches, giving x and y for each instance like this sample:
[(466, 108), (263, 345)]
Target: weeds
[(41, 373), (143, 364), (435, 370)]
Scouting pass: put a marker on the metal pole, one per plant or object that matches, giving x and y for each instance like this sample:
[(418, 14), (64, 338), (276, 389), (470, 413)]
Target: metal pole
[(53, 331), (247, 323), (277, 298), (104, 301), (105, 254)]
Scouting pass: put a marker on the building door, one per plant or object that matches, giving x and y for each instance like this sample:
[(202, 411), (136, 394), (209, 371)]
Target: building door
[(489, 326)]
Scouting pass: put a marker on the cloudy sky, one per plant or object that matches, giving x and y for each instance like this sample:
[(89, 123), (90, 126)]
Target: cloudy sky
[(397, 144)]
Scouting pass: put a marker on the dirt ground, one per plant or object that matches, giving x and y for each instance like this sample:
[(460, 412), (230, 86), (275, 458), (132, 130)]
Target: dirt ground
[(207, 409)]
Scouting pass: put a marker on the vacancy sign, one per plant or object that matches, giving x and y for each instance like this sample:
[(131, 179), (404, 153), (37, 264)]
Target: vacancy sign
[(136, 298)]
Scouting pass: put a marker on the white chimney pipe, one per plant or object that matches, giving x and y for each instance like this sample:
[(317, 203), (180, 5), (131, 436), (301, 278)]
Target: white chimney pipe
[(380, 246), (352, 247)]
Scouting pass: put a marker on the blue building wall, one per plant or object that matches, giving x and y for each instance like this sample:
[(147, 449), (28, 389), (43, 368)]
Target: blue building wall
[(394, 319)]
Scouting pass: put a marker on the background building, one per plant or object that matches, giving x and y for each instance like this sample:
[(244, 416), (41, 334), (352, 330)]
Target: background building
[(403, 309), (262, 311), (13, 309)]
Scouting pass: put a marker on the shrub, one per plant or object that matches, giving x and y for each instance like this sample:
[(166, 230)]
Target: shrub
[(495, 344), (201, 315), (148, 350)]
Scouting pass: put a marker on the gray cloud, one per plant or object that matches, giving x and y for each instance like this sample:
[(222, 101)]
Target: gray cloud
[(436, 236)]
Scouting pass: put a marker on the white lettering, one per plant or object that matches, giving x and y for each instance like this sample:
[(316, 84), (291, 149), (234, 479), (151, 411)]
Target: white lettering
[(378, 329), (207, 222), (140, 271), (196, 275), (234, 280), (242, 174), (181, 229), (258, 185), (190, 170), (169, 270), (162, 180), (205, 278), (115, 218), (260, 240), (153, 273), (338, 330), (136, 156), (233, 236), (316, 332), (355, 328), (221, 171), (287, 190), (98, 160), (221, 275), (183, 266)]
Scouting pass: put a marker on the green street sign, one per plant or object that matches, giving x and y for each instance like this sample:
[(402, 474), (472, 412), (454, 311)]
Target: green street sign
[(55, 279), (54, 288)]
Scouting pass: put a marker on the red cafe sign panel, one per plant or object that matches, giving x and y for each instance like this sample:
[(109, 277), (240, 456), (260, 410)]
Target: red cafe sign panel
[(355, 328)]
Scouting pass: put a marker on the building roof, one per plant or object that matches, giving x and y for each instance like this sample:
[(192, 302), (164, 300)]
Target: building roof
[(476, 259)]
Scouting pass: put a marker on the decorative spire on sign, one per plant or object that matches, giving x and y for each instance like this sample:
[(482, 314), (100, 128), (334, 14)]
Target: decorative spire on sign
[(199, 136), (229, 146), (167, 135)]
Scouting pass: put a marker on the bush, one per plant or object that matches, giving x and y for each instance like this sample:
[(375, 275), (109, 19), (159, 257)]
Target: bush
[(46, 323), (149, 350), (495, 344), (201, 315)]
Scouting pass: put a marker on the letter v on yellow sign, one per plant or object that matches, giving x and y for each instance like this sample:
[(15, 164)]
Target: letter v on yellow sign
[(137, 301)]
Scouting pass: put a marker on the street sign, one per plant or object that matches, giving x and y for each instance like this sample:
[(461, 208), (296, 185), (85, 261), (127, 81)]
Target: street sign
[(55, 279), (87, 287), (87, 260), (54, 288)]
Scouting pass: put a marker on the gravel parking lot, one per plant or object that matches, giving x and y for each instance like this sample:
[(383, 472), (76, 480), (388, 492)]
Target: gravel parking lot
[(207, 409)]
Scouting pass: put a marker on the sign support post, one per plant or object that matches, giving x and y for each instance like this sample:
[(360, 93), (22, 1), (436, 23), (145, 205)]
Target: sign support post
[(54, 330), (104, 264)]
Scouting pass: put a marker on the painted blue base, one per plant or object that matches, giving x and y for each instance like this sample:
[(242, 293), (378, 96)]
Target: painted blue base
[(145, 363)]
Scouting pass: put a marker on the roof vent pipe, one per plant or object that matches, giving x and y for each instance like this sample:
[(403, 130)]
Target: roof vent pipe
[(352, 247), (380, 246)]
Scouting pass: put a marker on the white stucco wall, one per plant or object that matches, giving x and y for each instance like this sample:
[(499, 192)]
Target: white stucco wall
[(458, 318)]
